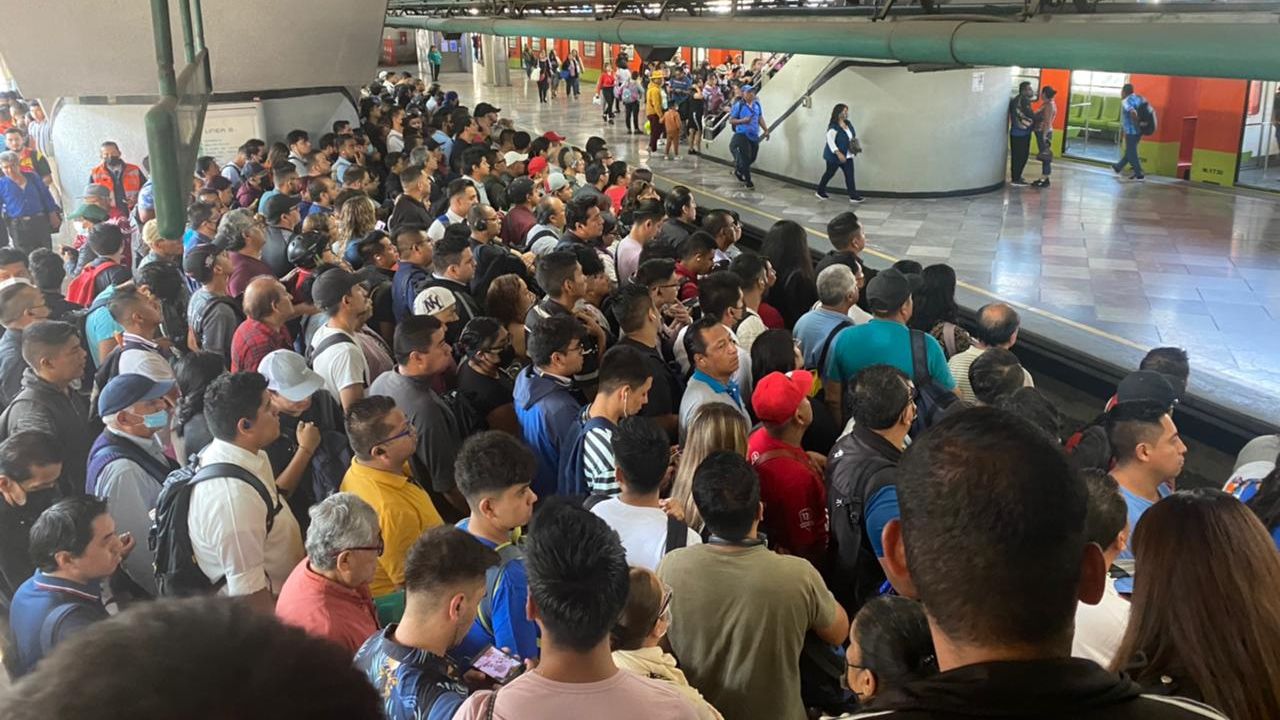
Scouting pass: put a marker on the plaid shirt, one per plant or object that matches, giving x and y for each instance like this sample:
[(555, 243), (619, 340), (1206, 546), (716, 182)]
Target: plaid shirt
[(253, 340)]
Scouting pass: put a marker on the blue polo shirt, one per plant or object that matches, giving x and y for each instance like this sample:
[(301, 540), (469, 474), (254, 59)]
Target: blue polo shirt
[(99, 325), (812, 330), (883, 342), (1127, 106), (37, 623), (741, 110), (33, 199), (512, 629), (1137, 505)]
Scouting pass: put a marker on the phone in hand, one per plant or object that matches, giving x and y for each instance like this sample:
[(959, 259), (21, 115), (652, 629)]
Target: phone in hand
[(498, 665)]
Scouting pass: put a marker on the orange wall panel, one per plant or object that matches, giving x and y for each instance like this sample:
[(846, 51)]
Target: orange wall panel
[(1221, 114)]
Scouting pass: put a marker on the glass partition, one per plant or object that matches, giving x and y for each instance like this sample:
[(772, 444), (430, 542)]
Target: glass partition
[(1093, 116), (1259, 146)]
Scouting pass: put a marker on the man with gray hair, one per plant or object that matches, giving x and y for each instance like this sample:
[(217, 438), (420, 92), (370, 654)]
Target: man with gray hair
[(544, 236), (245, 238), (327, 594), (997, 327), (29, 208), (816, 330)]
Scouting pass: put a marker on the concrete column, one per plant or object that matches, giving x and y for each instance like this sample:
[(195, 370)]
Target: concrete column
[(496, 71)]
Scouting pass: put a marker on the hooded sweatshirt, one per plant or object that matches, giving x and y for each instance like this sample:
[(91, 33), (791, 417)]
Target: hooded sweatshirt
[(547, 412)]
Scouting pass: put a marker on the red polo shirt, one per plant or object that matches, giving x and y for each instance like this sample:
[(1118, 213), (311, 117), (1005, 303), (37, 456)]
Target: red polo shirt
[(688, 282), (795, 499), (326, 609)]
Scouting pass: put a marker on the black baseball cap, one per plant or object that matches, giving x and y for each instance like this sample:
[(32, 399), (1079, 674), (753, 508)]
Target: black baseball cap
[(890, 290)]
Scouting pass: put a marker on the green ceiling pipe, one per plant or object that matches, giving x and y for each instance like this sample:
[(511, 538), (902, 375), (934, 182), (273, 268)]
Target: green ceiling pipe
[(1200, 48)]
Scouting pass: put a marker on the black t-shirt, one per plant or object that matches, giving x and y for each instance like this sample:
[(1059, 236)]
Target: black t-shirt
[(668, 388), (486, 394), (327, 416), (849, 260), (793, 296)]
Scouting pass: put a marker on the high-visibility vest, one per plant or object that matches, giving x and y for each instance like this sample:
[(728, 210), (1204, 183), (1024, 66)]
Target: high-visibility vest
[(131, 177)]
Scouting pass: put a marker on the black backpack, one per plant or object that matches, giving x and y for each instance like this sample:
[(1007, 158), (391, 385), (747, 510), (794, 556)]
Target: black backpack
[(1146, 117), (858, 569), (466, 417), (177, 573)]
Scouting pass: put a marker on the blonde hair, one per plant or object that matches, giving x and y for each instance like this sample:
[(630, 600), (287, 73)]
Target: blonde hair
[(714, 426), (356, 218), (151, 232)]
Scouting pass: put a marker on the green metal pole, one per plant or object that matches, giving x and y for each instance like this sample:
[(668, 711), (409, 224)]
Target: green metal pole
[(188, 41), (197, 20), (1194, 48), (164, 47)]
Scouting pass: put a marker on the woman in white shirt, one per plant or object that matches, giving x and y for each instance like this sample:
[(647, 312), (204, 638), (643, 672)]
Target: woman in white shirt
[(840, 147)]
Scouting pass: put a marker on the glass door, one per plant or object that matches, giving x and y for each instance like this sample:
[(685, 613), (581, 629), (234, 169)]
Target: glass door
[(1259, 147), (1093, 116)]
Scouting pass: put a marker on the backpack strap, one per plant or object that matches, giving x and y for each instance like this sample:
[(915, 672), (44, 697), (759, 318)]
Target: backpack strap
[(594, 499), (826, 345), (507, 552), (53, 621), (334, 339), (677, 534), (491, 702), (220, 470), (949, 337), (919, 359)]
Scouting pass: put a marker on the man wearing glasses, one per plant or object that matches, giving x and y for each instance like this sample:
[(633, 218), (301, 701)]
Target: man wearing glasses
[(383, 440)]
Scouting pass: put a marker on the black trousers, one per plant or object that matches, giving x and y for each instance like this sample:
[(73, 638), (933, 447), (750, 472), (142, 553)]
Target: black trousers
[(846, 167), (744, 153), (1019, 151), (606, 100), (30, 232), (633, 116)]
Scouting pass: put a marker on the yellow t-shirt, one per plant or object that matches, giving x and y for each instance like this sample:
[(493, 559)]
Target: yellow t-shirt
[(404, 510)]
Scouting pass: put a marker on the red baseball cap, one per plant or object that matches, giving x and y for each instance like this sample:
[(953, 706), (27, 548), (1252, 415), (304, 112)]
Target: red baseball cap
[(777, 397), (537, 165), (553, 136)]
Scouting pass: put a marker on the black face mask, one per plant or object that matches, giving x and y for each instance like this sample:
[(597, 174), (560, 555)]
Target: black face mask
[(115, 162), (507, 356)]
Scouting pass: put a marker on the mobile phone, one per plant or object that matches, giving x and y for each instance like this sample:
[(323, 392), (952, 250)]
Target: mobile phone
[(497, 664), (690, 303)]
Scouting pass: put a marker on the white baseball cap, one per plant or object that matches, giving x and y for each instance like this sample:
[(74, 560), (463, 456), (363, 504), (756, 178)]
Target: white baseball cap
[(288, 375), (433, 300), (512, 157)]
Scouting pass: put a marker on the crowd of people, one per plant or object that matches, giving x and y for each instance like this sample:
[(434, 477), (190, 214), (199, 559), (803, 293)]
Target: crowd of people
[(494, 428)]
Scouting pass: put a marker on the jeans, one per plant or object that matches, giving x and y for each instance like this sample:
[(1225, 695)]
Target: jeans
[(571, 86), (1019, 151), (1130, 155), (435, 72), (633, 116), (1044, 141), (29, 232), (542, 91), (606, 95), (744, 153), (846, 167)]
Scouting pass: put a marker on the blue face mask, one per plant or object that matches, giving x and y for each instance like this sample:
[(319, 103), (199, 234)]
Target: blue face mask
[(156, 420)]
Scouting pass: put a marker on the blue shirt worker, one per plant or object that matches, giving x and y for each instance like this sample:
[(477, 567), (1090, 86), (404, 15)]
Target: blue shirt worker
[(1130, 123), (29, 207), (749, 128)]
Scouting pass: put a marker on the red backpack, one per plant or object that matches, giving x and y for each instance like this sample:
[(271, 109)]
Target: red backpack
[(81, 290)]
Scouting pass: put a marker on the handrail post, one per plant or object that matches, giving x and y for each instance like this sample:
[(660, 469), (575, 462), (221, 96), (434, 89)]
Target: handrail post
[(188, 41), (197, 20), (160, 24)]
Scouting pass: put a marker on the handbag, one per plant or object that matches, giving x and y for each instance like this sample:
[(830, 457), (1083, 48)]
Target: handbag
[(596, 100), (855, 146), (1045, 155), (536, 74)]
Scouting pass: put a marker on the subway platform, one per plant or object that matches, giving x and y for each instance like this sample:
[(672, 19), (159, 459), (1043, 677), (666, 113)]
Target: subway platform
[(1101, 268)]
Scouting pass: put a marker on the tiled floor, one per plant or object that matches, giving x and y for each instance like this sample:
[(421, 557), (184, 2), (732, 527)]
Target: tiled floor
[(1108, 267)]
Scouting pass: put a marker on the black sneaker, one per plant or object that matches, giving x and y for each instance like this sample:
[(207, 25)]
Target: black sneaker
[(750, 185), (1138, 177), (1019, 182), (822, 195), (856, 199)]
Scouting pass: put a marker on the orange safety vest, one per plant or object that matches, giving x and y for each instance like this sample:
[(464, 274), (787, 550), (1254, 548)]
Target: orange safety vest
[(132, 178)]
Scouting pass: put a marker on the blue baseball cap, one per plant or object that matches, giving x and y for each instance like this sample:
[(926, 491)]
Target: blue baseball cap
[(123, 391)]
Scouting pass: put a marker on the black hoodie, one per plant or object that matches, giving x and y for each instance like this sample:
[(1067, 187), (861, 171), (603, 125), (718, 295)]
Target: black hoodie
[(1053, 689)]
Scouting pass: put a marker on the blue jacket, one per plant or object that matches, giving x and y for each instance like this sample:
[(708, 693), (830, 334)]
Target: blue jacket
[(842, 142), (405, 286), (547, 412), (47, 610)]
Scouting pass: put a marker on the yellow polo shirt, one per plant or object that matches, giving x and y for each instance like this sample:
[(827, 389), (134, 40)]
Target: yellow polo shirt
[(405, 511)]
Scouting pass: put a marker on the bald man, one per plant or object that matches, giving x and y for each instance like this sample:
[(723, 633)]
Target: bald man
[(267, 307)]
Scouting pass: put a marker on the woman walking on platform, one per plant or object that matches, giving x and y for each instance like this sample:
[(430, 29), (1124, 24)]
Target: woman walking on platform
[(553, 64), (1044, 135), (544, 76), (605, 89), (842, 144)]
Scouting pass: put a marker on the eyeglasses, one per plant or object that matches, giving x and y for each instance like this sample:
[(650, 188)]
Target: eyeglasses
[(496, 350), (375, 548), (666, 603), (664, 287), (406, 432)]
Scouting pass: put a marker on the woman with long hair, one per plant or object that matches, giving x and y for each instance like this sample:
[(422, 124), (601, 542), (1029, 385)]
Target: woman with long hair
[(619, 184), (605, 89), (1204, 621), (714, 426), (838, 150), (195, 371), (277, 156), (487, 364), (636, 640), (1262, 497), (637, 191), (546, 71), (787, 247), (508, 301), (356, 219), (935, 311), (776, 351)]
